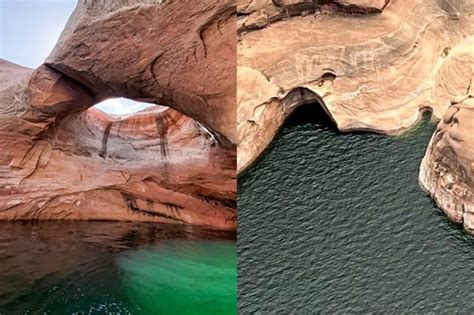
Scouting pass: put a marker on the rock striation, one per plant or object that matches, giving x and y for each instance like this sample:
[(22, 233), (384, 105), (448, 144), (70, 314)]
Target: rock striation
[(62, 159), (447, 169), (371, 64), (181, 54)]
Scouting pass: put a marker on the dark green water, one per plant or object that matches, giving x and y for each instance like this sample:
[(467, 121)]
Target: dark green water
[(115, 268), (337, 223)]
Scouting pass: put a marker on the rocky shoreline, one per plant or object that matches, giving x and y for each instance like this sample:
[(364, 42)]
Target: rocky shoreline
[(381, 77), (447, 169), (372, 66)]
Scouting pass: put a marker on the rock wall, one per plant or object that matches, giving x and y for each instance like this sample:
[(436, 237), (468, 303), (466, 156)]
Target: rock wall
[(447, 169), (372, 64), (62, 159)]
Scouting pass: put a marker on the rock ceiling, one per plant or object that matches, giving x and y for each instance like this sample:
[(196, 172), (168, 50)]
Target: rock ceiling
[(63, 161)]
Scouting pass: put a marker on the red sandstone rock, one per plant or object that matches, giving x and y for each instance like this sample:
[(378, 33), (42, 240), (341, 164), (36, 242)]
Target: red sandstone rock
[(372, 65), (177, 53), (61, 160)]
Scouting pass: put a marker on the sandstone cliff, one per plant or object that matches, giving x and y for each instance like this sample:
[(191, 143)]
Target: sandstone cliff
[(447, 170), (62, 159), (372, 64)]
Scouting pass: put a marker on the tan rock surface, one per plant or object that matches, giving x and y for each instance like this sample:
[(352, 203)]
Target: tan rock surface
[(447, 169), (61, 159), (372, 65)]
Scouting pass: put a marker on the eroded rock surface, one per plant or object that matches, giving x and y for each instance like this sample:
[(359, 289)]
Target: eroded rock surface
[(373, 65), (447, 169), (177, 53), (61, 159)]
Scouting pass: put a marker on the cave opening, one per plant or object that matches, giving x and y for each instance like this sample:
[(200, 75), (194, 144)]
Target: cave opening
[(119, 108), (312, 113)]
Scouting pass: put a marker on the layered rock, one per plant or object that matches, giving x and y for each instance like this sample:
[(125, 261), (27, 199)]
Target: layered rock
[(447, 169), (181, 54), (62, 159), (372, 65)]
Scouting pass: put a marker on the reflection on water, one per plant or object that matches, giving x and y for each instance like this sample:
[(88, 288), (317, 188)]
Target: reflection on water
[(105, 267), (337, 223)]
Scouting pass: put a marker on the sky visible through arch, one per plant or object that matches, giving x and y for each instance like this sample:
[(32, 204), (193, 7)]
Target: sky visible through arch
[(29, 29)]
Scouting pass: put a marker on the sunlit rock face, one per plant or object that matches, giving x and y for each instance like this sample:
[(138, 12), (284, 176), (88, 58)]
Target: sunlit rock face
[(447, 170), (62, 159), (373, 65), (176, 53)]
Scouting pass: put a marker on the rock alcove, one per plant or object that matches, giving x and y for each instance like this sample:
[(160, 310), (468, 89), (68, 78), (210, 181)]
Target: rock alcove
[(64, 159), (374, 65)]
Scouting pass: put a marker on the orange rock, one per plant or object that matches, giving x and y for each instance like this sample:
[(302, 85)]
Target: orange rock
[(62, 159), (175, 53)]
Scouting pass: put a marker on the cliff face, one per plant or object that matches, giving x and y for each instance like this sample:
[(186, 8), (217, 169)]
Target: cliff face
[(372, 65), (177, 53), (447, 170), (62, 159)]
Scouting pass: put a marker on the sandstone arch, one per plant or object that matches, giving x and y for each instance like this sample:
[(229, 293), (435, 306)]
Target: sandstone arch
[(62, 159), (176, 53)]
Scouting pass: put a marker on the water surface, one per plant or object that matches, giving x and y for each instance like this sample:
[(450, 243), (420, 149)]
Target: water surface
[(115, 268), (337, 223)]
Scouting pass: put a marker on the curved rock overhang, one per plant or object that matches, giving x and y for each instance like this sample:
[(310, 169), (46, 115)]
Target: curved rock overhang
[(179, 54), (447, 169), (372, 64), (62, 159)]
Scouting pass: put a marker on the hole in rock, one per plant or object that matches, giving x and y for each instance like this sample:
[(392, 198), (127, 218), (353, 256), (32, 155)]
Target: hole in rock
[(123, 107), (313, 113)]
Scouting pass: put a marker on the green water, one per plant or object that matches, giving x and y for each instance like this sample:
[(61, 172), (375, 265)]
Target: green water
[(334, 223), (115, 268), (189, 278)]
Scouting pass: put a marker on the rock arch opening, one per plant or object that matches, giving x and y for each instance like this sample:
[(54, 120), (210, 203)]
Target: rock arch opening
[(120, 108), (158, 165)]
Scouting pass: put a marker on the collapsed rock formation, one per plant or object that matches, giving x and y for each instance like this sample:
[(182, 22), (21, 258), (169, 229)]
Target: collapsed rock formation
[(447, 170), (177, 53), (372, 64), (62, 159)]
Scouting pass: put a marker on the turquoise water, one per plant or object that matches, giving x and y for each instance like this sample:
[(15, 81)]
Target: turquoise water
[(115, 268), (334, 223), (188, 277)]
